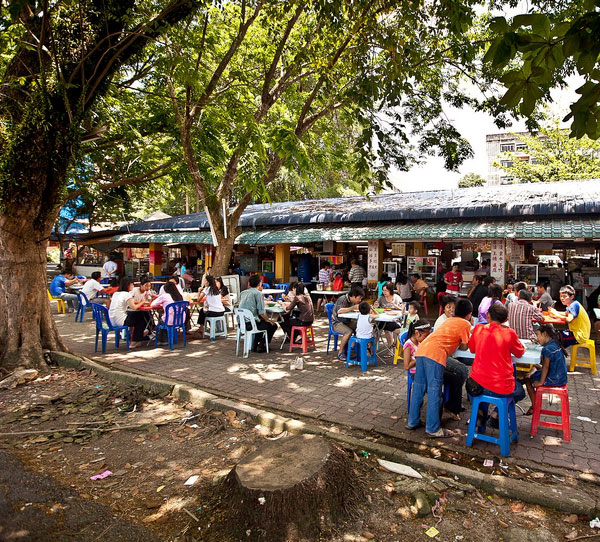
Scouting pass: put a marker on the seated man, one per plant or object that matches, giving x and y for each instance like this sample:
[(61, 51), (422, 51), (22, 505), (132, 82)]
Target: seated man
[(92, 288), (577, 319), (522, 314), (544, 300), (346, 303), (419, 286), (253, 300), (58, 288), (493, 345)]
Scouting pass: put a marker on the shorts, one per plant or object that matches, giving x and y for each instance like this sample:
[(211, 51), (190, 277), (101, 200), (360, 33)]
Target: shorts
[(567, 338), (388, 326), (342, 328)]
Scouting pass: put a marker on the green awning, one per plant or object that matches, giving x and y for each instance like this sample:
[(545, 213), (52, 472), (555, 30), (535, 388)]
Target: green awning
[(559, 229), (200, 237)]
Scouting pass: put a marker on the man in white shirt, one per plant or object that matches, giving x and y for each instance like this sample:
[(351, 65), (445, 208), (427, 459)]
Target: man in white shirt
[(92, 288), (110, 268)]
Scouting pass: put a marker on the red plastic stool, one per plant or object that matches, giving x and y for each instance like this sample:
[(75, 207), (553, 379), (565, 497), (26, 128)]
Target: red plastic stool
[(440, 296), (564, 414), (308, 338)]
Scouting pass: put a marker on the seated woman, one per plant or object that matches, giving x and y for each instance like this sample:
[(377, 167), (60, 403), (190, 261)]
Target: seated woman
[(225, 297), (303, 302), (213, 305), (124, 311), (494, 297), (389, 300), (169, 295)]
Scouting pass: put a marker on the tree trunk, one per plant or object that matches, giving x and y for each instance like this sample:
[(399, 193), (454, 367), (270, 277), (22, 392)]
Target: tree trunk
[(291, 489), (28, 326), (223, 255)]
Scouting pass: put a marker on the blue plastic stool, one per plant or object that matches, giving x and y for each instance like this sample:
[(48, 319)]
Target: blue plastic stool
[(332, 333), (507, 420), (213, 322), (409, 383), (362, 357)]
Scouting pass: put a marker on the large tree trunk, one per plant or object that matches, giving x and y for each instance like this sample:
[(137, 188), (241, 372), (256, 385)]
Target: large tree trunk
[(28, 327), (223, 254)]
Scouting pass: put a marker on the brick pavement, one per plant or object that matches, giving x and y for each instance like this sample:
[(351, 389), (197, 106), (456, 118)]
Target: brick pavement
[(326, 390)]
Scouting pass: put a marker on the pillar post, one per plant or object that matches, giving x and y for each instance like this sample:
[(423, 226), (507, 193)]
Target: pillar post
[(155, 259), (282, 262)]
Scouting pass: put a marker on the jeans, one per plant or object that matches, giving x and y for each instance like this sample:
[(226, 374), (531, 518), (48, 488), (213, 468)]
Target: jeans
[(71, 299), (428, 378), (455, 376)]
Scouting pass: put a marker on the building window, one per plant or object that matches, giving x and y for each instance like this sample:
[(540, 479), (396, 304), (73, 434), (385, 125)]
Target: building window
[(533, 160), (506, 163), (507, 147), (521, 147), (507, 180)]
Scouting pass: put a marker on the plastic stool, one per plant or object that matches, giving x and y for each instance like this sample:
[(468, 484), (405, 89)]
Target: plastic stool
[(398, 352), (439, 298), (563, 414), (577, 361), (362, 356), (507, 419), (423, 301), (213, 321), (308, 338)]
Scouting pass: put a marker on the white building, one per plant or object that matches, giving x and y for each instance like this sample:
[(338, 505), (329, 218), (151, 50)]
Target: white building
[(497, 145)]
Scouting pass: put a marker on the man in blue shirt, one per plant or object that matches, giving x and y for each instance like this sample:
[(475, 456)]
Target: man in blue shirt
[(58, 288), (253, 300)]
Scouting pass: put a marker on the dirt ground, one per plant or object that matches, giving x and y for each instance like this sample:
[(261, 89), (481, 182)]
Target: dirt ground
[(162, 464)]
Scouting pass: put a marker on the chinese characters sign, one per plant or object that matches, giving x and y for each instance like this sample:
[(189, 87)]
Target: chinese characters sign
[(498, 260), (373, 261)]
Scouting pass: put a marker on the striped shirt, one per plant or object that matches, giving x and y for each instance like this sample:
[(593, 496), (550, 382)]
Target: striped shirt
[(521, 316), (324, 276), (356, 274)]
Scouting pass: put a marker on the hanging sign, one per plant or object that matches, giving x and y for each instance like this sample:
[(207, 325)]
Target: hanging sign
[(498, 260), (373, 261), (514, 251)]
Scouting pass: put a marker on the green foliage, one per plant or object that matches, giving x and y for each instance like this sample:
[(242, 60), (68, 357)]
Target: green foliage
[(556, 157), (534, 52), (470, 180)]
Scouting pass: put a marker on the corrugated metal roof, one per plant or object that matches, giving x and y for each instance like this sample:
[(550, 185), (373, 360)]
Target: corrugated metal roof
[(419, 231), (519, 200)]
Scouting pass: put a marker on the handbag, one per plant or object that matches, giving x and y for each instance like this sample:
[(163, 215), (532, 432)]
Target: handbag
[(473, 388)]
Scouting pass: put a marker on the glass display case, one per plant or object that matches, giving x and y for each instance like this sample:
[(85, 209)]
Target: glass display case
[(526, 273), (391, 268), (426, 266)]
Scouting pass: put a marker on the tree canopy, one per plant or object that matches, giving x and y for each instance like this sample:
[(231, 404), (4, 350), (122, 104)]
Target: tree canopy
[(470, 180), (535, 51)]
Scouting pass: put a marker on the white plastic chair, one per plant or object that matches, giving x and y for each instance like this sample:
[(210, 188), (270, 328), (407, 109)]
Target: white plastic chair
[(243, 316)]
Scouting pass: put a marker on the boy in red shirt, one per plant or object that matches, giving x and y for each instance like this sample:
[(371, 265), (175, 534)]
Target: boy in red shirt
[(431, 357), (493, 345)]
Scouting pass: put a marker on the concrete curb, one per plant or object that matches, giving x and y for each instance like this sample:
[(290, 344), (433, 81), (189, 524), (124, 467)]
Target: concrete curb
[(567, 500)]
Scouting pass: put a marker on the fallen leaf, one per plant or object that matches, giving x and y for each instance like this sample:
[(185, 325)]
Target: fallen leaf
[(537, 474), (572, 535), (572, 518), (161, 458), (517, 507), (467, 524), (368, 535), (156, 436), (503, 524), (159, 489), (497, 500), (520, 469)]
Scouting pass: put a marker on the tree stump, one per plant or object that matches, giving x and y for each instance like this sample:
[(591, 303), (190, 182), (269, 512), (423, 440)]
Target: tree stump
[(290, 489)]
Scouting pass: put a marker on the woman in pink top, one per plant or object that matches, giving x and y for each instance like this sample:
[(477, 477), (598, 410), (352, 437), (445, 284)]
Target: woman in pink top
[(169, 295)]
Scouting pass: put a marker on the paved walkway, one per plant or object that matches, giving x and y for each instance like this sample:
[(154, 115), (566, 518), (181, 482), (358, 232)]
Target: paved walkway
[(326, 390)]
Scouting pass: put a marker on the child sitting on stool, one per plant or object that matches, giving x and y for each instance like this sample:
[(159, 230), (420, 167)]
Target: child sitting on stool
[(364, 325), (554, 366)]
